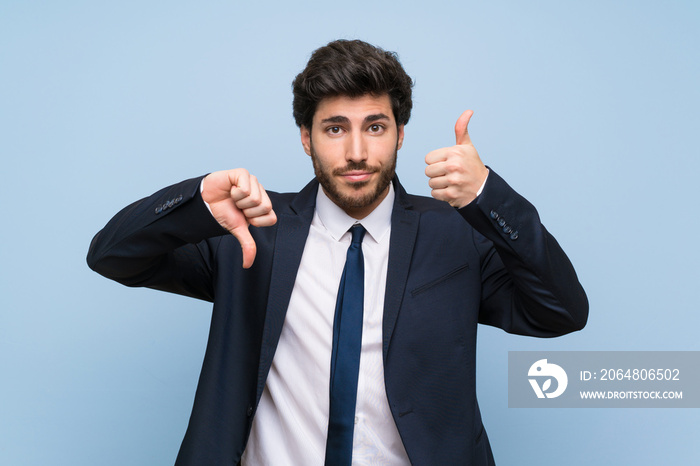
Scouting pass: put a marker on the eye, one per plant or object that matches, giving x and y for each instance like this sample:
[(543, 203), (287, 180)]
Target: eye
[(376, 128), (334, 129)]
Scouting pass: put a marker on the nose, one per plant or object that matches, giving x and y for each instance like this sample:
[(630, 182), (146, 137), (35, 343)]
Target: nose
[(356, 150)]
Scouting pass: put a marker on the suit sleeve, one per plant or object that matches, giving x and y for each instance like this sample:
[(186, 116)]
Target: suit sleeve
[(529, 286), (166, 241)]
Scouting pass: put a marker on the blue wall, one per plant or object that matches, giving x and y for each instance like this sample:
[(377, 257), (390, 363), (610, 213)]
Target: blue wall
[(588, 109)]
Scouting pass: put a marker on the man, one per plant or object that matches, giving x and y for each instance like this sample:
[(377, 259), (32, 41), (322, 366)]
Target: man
[(277, 380)]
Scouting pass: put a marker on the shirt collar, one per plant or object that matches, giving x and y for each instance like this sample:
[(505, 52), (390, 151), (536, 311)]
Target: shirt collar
[(337, 222)]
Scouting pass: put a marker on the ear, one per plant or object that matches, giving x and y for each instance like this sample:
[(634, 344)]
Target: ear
[(399, 141), (306, 139)]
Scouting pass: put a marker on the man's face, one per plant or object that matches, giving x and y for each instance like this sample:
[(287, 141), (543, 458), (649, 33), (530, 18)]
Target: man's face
[(353, 144)]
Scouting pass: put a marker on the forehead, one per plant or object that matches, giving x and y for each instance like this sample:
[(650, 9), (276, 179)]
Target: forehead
[(353, 108)]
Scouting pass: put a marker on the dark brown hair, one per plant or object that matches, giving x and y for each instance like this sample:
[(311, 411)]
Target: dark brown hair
[(351, 68)]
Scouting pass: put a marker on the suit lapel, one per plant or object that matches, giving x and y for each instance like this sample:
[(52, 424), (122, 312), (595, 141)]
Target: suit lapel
[(292, 231), (404, 229)]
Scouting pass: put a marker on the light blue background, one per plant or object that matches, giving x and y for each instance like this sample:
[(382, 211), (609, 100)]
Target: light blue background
[(589, 109)]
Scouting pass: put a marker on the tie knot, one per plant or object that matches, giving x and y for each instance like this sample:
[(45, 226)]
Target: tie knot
[(358, 232)]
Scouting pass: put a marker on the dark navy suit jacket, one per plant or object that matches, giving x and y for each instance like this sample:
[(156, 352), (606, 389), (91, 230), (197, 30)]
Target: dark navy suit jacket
[(490, 262)]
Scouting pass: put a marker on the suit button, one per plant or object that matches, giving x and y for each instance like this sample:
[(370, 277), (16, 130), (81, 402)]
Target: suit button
[(514, 235), (507, 229), (501, 222), (494, 215), (249, 412), (159, 209)]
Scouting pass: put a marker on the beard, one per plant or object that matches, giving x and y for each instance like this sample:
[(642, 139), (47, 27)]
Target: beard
[(356, 199)]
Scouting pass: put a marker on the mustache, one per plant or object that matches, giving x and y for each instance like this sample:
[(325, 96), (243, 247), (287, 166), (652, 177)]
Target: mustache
[(355, 166)]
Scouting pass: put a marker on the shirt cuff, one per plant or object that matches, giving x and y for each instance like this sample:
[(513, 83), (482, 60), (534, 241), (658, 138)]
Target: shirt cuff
[(482, 184), (201, 188)]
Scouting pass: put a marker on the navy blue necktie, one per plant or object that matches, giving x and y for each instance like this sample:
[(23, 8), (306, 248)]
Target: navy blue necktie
[(345, 356)]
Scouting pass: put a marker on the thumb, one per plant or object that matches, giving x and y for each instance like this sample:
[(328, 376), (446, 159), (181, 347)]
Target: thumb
[(247, 244), (461, 132)]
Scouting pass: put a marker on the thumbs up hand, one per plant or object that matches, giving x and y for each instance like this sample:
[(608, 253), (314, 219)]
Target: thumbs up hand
[(237, 199), (456, 173)]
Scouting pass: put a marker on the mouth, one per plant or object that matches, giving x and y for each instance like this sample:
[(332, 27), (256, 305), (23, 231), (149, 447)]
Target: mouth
[(356, 176)]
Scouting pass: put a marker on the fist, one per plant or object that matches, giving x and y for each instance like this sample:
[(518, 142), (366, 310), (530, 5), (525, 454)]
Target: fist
[(237, 199), (456, 173)]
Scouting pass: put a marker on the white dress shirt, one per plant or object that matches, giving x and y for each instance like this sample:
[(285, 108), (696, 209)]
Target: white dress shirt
[(291, 422)]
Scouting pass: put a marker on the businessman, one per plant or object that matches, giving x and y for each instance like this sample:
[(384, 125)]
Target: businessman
[(345, 315)]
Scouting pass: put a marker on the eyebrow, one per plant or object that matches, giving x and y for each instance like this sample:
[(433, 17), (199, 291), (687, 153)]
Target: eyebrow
[(345, 120), (375, 117), (336, 119)]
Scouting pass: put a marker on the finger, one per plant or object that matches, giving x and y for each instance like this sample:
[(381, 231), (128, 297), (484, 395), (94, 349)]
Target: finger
[(266, 220), (439, 194), (447, 195), (254, 197), (256, 211), (261, 210), (240, 184), (247, 242), (440, 182), (261, 214), (461, 132), (439, 155), (436, 169)]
